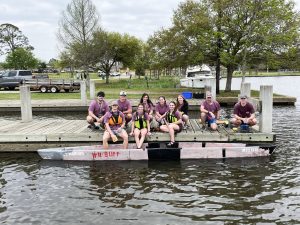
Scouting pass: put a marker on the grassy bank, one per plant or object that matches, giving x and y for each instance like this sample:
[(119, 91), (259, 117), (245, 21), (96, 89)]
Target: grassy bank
[(166, 86)]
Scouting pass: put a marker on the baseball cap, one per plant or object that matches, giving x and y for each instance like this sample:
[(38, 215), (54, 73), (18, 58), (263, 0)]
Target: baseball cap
[(123, 93), (243, 96), (114, 103)]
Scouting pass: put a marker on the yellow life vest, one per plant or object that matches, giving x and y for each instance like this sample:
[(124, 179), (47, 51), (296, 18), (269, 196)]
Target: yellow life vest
[(140, 122), (171, 118)]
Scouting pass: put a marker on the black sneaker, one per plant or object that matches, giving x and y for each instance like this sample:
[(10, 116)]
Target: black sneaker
[(90, 126), (96, 127)]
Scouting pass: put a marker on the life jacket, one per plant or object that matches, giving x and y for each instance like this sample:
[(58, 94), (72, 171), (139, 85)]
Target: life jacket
[(171, 118), (140, 121), (115, 120)]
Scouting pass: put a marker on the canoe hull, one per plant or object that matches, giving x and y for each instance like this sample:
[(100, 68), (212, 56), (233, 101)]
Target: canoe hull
[(159, 151)]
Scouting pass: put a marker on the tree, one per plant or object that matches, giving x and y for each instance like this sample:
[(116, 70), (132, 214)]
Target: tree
[(111, 47), (20, 59), (76, 28), (12, 38), (237, 33)]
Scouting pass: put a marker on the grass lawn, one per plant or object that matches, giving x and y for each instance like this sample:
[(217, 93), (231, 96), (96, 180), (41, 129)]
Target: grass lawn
[(165, 86)]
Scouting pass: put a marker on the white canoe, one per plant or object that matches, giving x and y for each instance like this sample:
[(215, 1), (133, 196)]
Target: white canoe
[(156, 151)]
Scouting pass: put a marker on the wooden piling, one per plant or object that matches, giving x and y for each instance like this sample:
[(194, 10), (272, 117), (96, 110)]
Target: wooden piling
[(246, 89), (266, 98), (210, 85), (92, 89), (26, 108), (83, 92)]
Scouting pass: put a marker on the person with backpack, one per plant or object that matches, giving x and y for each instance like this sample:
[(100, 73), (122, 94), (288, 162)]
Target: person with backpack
[(140, 125)]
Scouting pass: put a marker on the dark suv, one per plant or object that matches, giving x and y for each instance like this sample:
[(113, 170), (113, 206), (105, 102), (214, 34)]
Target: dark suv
[(13, 78)]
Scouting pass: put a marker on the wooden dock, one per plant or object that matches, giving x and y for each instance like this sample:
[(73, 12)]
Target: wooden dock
[(21, 136)]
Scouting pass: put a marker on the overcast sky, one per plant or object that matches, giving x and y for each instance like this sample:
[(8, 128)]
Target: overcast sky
[(38, 19)]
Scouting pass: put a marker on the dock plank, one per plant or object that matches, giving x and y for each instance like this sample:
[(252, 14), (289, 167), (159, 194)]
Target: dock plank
[(64, 132)]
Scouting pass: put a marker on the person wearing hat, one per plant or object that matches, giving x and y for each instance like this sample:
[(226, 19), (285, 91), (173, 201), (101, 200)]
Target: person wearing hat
[(125, 106), (243, 112), (114, 121), (97, 110), (210, 112)]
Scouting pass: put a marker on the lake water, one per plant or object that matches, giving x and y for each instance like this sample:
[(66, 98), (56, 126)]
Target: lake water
[(233, 191)]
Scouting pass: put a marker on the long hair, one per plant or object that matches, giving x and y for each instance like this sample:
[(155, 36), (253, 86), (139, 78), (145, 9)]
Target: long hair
[(148, 100), (163, 98), (177, 102)]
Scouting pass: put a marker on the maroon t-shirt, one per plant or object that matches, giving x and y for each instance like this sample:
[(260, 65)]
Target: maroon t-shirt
[(161, 109), (98, 109), (243, 111), (124, 106), (148, 107), (213, 107)]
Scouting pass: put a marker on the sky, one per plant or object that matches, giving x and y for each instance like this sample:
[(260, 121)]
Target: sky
[(38, 19)]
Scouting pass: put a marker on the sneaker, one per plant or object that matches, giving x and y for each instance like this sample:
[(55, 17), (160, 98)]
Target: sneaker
[(170, 144), (91, 126), (185, 127), (96, 127)]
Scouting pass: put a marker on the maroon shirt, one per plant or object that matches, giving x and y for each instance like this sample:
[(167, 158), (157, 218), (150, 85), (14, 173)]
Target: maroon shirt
[(110, 114), (148, 107), (124, 106), (98, 109), (243, 111), (214, 107), (161, 109)]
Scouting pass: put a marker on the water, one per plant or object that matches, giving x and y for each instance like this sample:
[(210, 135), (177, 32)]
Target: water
[(236, 191)]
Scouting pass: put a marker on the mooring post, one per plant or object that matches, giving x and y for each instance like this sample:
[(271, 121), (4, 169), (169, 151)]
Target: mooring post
[(246, 89), (210, 85), (83, 92), (26, 108), (92, 89), (266, 98)]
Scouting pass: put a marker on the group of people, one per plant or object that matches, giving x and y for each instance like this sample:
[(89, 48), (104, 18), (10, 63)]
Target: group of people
[(169, 117)]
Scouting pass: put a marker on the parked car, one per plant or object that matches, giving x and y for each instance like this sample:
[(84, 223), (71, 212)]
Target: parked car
[(115, 74), (13, 78)]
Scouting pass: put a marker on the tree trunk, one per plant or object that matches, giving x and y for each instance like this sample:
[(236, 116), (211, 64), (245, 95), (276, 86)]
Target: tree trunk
[(230, 70), (107, 78)]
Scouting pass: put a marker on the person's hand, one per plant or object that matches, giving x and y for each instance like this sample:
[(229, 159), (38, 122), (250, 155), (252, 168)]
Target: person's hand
[(131, 134), (149, 133), (212, 115), (119, 129), (114, 138)]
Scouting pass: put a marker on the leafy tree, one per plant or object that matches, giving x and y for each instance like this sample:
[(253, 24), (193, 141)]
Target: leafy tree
[(229, 31), (111, 47), (12, 38), (20, 59), (76, 28)]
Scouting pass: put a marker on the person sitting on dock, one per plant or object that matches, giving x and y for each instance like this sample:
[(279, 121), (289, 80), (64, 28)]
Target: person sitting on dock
[(148, 105), (161, 110), (140, 125), (97, 110), (114, 121), (210, 112), (173, 122), (243, 112), (183, 107), (125, 106)]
